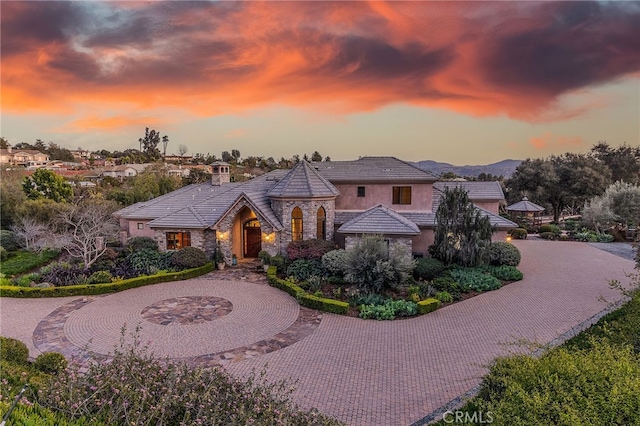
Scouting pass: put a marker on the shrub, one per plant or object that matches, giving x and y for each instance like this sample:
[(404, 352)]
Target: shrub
[(473, 279), (138, 388), (506, 273), (100, 277), (23, 261), (13, 350), (428, 268), (8, 240), (3, 254), (189, 257), (139, 243), (553, 229), (428, 305), (368, 299), (323, 304), (314, 283), (518, 233), (548, 236), (334, 262), (444, 297), (278, 261), (264, 256), (309, 249), (302, 269), (448, 284), (50, 362), (26, 280), (389, 310), (63, 274), (501, 253)]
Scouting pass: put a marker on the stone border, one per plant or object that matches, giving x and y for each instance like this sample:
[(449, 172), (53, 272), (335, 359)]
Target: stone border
[(49, 337), (459, 401)]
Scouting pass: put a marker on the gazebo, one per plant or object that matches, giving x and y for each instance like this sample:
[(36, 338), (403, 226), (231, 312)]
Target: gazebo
[(525, 210)]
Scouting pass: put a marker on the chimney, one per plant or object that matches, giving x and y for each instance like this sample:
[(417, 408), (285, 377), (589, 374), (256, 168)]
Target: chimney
[(219, 173)]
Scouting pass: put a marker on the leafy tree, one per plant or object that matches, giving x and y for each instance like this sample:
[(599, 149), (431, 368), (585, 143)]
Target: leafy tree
[(559, 181), (56, 152), (46, 184), (623, 161), (449, 176), (149, 184), (4, 143), (316, 156), (11, 195), (196, 176), (226, 157), (236, 155), (462, 234), (619, 204), (149, 144)]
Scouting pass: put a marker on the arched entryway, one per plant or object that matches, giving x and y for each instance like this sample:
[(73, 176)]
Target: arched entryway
[(251, 238)]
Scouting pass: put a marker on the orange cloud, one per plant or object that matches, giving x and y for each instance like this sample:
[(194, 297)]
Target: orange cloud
[(549, 142), (208, 58)]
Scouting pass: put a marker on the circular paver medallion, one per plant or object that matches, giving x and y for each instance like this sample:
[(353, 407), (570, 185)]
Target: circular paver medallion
[(187, 310)]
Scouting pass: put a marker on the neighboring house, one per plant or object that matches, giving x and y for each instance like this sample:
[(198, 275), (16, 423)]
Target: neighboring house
[(337, 200), (23, 157), (120, 172)]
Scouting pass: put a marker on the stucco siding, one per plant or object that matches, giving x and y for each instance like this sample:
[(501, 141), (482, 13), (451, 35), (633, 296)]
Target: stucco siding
[(421, 196)]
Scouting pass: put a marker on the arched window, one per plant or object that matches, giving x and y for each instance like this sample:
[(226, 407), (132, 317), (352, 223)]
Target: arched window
[(296, 224), (321, 232)]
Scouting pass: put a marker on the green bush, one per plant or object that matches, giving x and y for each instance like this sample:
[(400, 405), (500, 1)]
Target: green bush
[(444, 297), (94, 289), (13, 350), (139, 243), (100, 277), (3, 254), (284, 285), (554, 229), (189, 257), (323, 304), (448, 284), (474, 279), (303, 269), (501, 253), (50, 362), (309, 249), (428, 305), (548, 236), (389, 310), (518, 233), (278, 261), (335, 262), (428, 268), (368, 299), (8, 240), (264, 256), (23, 261), (506, 273), (62, 274)]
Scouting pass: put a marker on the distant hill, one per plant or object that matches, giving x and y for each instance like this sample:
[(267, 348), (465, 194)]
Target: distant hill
[(504, 168)]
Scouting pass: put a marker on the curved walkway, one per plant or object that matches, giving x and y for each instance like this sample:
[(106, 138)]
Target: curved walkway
[(362, 372)]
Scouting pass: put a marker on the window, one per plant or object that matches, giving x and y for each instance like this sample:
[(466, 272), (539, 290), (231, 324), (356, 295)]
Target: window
[(178, 240), (321, 232), (401, 195), (296, 224), (361, 191), (140, 225)]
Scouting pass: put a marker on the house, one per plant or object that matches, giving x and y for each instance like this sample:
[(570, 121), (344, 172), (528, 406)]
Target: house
[(23, 157), (125, 170), (337, 200)]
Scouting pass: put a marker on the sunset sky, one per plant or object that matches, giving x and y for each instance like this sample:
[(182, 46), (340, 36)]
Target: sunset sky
[(460, 82)]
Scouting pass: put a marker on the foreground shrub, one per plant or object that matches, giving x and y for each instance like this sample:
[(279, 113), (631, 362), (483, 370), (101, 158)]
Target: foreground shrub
[(13, 350), (189, 257), (518, 233), (548, 236), (147, 261), (389, 310), (448, 284), (473, 279), (428, 268), (3, 254), (278, 261), (139, 243), (501, 253), (553, 229), (63, 274), (137, 388), (428, 305), (565, 387), (8, 240), (335, 262), (506, 273), (24, 261), (50, 362), (309, 249), (303, 269), (100, 277)]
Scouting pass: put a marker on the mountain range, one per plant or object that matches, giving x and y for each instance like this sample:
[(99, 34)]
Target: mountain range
[(504, 168)]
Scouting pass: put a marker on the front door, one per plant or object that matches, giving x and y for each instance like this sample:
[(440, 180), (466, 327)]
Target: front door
[(252, 238)]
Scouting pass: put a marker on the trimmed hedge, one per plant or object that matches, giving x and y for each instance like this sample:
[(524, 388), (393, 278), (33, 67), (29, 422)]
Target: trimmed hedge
[(13, 350), (518, 233), (95, 289), (428, 305)]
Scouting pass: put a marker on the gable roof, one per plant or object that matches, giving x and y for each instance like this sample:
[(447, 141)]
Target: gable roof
[(380, 220), (525, 206), (373, 169), (303, 181), (476, 190)]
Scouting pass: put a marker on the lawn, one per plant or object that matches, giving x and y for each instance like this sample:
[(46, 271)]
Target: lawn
[(23, 261)]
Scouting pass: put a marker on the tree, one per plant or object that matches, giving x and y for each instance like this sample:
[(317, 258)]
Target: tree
[(4, 143), (226, 157), (88, 225), (46, 184), (11, 195), (196, 176), (182, 150), (620, 204), (316, 156), (33, 235), (559, 181), (623, 161), (462, 234), (149, 144), (236, 155), (56, 152)]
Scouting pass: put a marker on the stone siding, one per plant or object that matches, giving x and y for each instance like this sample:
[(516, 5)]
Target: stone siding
[(284, 208)]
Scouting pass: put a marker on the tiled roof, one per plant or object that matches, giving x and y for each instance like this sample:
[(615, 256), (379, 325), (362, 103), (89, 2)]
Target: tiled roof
[(373, 169), (303, 181), (380, 220), (525, 206), (185, 218), (476, 190)]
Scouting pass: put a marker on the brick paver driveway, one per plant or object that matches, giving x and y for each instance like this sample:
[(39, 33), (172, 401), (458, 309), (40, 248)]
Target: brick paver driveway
[(362, 372)]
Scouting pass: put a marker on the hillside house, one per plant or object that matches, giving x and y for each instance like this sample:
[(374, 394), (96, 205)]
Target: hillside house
[(22, 157), (336, 200)]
